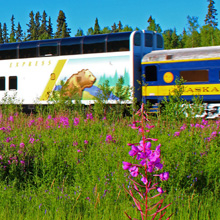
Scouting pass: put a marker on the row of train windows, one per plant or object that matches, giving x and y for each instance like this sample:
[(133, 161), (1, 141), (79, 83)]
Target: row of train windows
[(53, 49), (187, 75), (77, 45), (12, 83)]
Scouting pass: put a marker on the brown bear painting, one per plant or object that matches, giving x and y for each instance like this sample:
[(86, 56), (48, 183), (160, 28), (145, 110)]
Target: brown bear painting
[(78, 82)]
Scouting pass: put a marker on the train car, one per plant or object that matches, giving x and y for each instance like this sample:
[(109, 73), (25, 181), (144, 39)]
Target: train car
[(199, 67), (33, 69)]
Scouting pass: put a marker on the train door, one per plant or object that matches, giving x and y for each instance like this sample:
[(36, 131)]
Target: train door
[(136, 51), (151, 82), (141, 44)]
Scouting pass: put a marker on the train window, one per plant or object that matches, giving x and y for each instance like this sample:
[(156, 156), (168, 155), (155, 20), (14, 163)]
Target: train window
[(71, 46), (8, 51), (48, 49), (13, 82), (159, 41), (2, 83), (28, 49), (94, 44), (151, 73), (137, 39), (118, 42), (195, 75), (148, 40)]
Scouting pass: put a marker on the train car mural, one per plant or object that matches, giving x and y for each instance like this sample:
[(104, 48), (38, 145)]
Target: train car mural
[(87, 73), (34, 69), (199, 67)]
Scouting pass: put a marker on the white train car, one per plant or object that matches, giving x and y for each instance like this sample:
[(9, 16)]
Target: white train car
[(34, 69)]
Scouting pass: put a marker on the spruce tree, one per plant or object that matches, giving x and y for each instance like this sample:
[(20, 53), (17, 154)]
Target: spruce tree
[(31, 31), (50, 29), (63, 34), (37, 25), (174, 39), (43, 30), (210, 18), (127, 28), (90, 31), (193, 39), (217, 36), (167, 36), (1, 35), (153, 26), (79, 33), (114, 28), (43, 27), (19, 33), (183, 39), (12, 34), (120, 27), (60, 21), (106, 30), (96, 27), (5, 33)]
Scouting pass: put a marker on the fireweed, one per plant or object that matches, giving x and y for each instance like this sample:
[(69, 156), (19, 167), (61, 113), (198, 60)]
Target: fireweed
[(148, 162)]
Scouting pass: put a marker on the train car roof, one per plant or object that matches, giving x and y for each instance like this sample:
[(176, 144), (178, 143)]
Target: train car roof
[(111, 36), (185, 54)]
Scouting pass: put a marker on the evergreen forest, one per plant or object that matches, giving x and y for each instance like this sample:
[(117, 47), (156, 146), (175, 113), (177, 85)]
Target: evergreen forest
[(40, 27)]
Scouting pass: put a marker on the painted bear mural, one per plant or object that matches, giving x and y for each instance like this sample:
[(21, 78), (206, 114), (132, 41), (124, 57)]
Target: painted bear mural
[(78, 82)]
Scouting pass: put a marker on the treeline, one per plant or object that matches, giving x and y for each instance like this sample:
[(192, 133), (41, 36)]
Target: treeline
[(40, 27), (194, 35)]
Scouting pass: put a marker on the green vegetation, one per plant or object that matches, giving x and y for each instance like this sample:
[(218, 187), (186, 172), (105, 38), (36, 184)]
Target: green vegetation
[(67, 164)]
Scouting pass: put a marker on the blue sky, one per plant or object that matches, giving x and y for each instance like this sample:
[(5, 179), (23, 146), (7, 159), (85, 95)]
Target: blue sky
[(82, 14)]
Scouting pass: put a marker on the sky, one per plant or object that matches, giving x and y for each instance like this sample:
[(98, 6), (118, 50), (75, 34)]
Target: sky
[(82, 14)]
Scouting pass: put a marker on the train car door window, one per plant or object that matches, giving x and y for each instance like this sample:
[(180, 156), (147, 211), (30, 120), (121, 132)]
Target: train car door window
[(159, 41), (151, 73), (13, 83), (195, 75), (137, 39), (148, 40), (2, 83)]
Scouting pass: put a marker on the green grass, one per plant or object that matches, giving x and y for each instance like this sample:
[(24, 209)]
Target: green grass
[(64, 177)]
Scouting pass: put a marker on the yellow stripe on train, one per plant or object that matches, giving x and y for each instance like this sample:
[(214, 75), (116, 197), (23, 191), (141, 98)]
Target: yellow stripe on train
[(198, 89), (179, 61), (53, 78)]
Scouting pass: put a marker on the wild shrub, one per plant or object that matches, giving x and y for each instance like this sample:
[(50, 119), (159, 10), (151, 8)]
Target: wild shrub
[(175, 107)]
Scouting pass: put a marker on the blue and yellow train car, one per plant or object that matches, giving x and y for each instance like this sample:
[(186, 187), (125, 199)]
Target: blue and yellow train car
[(199, 67)]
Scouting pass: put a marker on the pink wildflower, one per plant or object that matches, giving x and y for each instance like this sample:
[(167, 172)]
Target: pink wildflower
[(76, 121), (164, 176), (22, 145), (75, 143), (160, 190), (126, 165)]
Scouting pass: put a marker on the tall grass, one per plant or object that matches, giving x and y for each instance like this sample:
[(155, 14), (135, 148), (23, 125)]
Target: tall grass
[(63, 163), (69, 166)]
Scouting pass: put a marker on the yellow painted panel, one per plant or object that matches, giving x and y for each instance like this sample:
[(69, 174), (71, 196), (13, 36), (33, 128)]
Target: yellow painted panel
[(53, 78), (199, 89)]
